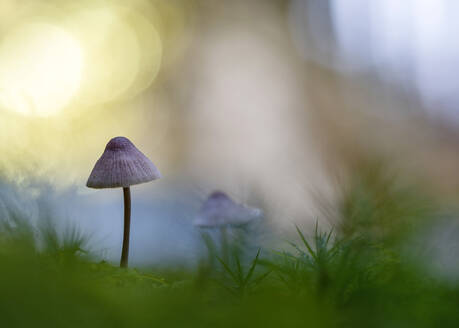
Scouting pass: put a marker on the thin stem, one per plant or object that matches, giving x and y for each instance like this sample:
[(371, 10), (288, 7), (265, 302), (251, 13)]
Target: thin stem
[(127, 227), (224, 243)]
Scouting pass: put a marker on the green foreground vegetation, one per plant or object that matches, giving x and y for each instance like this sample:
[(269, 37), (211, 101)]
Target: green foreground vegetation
[(369, 271)]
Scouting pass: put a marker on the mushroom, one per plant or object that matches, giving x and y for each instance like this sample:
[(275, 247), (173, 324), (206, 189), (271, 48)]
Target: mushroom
[(121, 166), (220, 211)]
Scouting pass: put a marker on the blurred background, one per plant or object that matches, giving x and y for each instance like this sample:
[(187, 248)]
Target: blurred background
[(272, 101)]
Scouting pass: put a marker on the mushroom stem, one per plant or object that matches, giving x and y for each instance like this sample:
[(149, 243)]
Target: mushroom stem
[(127, 227), (224, 244)]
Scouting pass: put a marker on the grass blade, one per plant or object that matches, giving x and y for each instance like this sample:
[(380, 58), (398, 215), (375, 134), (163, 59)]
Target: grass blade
[(227, 269), (252, 267), (306, 243)]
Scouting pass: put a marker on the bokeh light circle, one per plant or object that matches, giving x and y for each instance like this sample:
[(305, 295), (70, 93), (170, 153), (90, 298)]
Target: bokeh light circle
[(40, 69)]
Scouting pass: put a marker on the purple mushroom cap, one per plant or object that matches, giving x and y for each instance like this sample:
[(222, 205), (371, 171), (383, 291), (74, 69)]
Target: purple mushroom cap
[(122, 165), (219, 210)]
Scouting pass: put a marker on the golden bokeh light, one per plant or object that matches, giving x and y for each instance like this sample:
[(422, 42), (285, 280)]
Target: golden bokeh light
[(123, 51), (79, 57), (112, 51), (40, 69), (73, 74)]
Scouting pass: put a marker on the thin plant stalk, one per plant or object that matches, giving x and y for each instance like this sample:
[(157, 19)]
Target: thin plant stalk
[(224, 243)]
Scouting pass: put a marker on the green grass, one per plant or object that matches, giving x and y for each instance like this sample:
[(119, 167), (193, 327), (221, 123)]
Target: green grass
[(359, 274)]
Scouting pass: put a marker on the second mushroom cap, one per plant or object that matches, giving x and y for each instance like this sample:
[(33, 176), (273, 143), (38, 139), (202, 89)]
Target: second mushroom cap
[(219, 210)]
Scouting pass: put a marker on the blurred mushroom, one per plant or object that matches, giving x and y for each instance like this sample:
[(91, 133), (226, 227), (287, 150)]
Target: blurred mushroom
[(220, 210), (121, 166)]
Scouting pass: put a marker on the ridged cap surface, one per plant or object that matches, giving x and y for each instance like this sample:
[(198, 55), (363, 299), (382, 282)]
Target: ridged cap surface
[(220, 210), (122, 165)]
